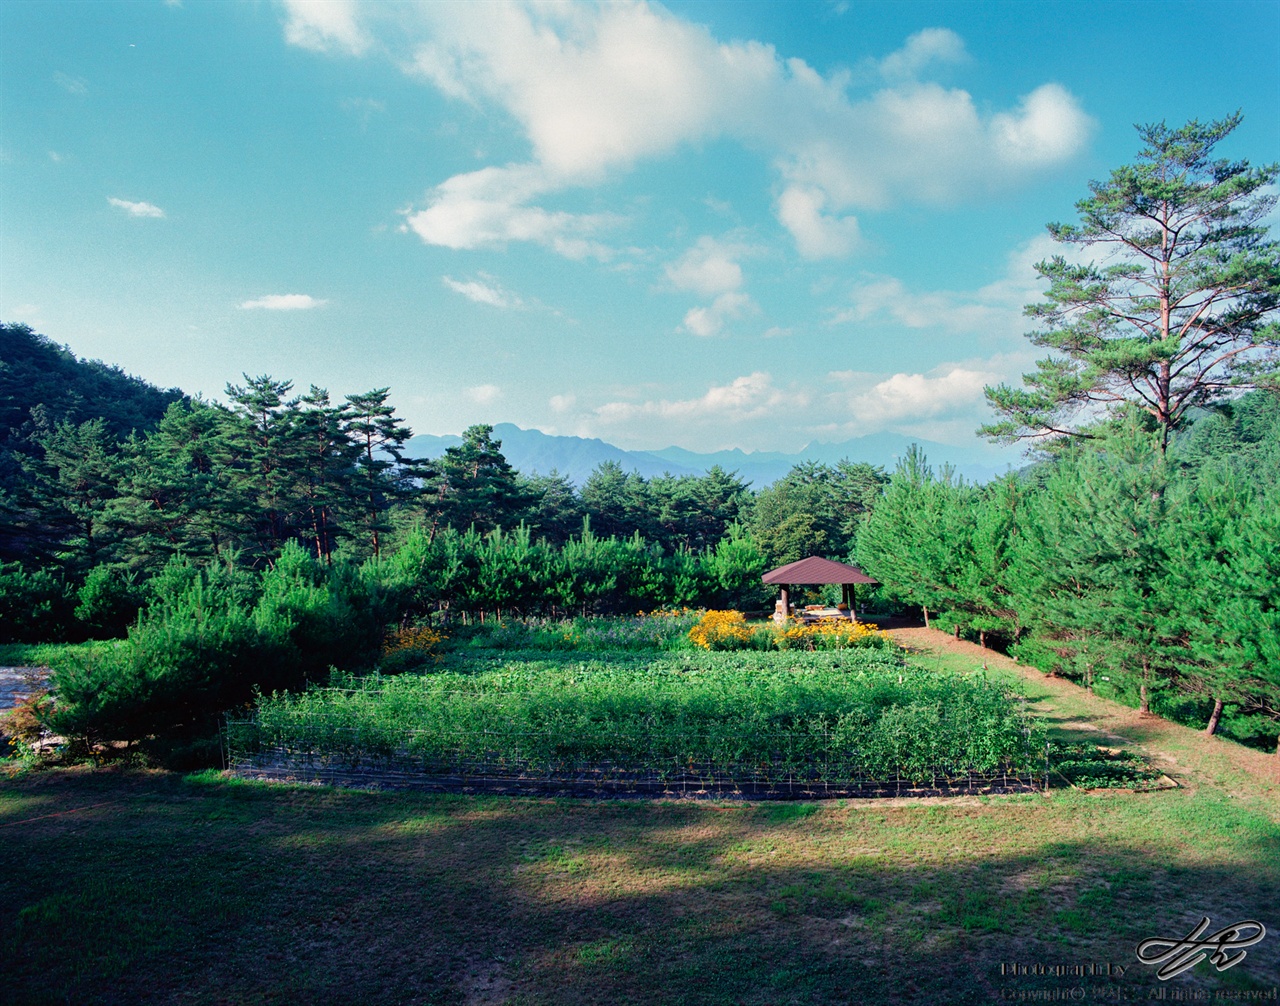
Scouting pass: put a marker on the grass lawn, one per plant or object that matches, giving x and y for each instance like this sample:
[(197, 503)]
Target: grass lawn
[(134, 886)]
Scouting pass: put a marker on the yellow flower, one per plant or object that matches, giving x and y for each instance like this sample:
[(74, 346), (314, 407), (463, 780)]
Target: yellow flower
[(720, 630), (417, 637)]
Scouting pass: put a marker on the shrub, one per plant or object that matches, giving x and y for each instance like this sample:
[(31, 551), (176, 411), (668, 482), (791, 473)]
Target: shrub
[(209, 640), (109, 600), (35, 605), (830, 634), (23, 726), (661, 630), (183, 663), (410, 648)]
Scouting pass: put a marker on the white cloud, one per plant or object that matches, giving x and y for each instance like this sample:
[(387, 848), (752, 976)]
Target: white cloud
[(932, 45), (70, 84), (917, 396), (483, 293), (283, 302), (364, 108), (595, 89), (562, 403), (1046, 129), (993, 311), (708, 268), (484, 394), (944, 404), (56, 157), (749, 397), (706, 321), (324, 25), (817, 235), (136, 209), (488, 208)]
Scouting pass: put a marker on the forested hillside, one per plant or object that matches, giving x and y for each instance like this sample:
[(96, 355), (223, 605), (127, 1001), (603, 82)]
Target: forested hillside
[(36, 372)]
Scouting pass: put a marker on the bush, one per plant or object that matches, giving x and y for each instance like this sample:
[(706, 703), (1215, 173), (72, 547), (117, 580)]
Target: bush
[(182, 664), (1043, 654), (830, 634), (209, 640), (35, 605), (410, 648), (109, 600), (25, 724), (722, 630), (660, 630)]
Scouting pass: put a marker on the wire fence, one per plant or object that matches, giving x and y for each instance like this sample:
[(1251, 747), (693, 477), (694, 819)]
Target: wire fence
[(469, 766)]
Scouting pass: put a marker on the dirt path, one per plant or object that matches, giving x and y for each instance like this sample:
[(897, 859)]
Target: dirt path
[(1189, 756)]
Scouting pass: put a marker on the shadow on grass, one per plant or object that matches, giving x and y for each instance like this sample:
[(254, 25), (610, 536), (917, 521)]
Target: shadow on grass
[(209, 891)]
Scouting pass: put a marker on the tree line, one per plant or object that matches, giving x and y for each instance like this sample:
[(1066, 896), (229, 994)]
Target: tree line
[(1149, 575), (94, 509)]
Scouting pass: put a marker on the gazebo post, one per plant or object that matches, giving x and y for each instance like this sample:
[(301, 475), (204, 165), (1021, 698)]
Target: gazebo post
[(848, 598), (786, 606)]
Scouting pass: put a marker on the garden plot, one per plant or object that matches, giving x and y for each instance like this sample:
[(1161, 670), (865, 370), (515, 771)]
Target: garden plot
[(803, 725)]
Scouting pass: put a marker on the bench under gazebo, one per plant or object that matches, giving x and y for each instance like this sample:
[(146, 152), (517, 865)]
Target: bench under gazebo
[(816, 571)]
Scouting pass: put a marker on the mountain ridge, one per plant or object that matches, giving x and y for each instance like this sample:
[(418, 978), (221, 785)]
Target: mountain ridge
[(532, 451)]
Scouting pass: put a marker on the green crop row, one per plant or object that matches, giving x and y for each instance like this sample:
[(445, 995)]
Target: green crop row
[(833, 716)]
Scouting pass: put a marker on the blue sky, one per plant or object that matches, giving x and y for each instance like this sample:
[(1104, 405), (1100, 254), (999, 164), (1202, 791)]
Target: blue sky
[(706, 224)]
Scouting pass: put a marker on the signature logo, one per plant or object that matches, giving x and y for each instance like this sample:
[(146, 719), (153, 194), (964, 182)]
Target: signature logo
[(1178, 956)]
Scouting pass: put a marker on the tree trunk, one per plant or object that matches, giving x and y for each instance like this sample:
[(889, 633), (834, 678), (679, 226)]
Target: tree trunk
[(1144, 702), (957, 630), (925, 609), (982, 638), (1214, 717)]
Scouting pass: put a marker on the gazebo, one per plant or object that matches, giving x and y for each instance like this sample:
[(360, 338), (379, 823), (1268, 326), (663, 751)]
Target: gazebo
[(812, 571)]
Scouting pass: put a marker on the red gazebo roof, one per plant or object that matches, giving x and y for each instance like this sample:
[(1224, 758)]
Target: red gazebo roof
[(817, 570)]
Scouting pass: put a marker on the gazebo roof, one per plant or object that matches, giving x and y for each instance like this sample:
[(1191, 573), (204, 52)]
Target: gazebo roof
[(817, 570)]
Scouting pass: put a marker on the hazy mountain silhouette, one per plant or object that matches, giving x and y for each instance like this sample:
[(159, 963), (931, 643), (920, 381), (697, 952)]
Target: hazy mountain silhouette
[(532, 451)]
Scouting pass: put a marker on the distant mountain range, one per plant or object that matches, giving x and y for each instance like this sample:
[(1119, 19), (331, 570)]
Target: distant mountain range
[(576, 458)]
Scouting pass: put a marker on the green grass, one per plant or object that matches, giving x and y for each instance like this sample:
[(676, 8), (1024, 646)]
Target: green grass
[(48, 654), (130, 886)]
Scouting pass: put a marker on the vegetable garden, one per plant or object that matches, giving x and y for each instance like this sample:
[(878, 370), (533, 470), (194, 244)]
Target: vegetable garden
[(795, 723)]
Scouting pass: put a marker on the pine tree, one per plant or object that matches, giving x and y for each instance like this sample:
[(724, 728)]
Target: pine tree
[(174, 495), (1221, 594), (477, 487), (1090, 556), (264, 451), (72, 485), (1181, 308), (327, 472)]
